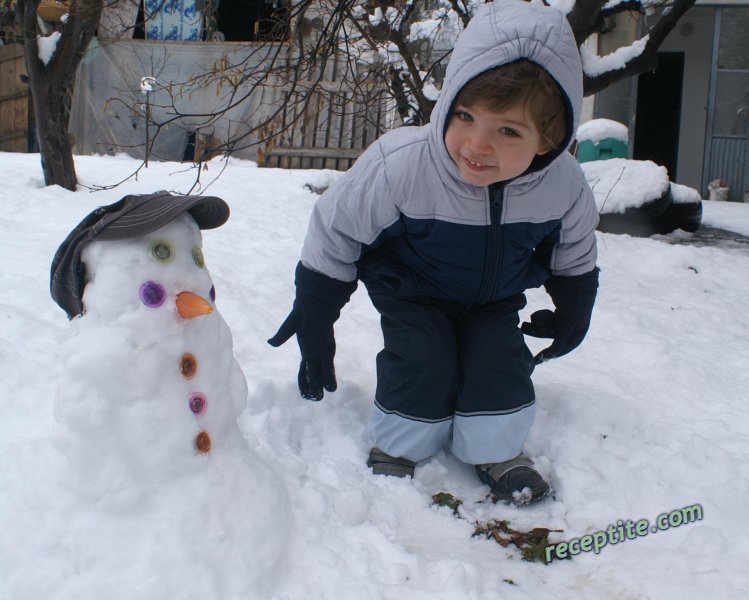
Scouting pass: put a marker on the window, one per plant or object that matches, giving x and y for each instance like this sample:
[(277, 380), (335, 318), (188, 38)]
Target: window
[(251, 20)]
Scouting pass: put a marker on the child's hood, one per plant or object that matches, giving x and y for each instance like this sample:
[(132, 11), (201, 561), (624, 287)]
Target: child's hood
[(499, 33)]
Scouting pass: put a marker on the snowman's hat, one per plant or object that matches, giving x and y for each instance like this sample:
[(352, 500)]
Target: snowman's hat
[(132, 216)]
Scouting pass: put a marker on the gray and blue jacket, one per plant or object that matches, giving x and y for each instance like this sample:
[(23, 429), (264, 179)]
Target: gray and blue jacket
[(403, 214)]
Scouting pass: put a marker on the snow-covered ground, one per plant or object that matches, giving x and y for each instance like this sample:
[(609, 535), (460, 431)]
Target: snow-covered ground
[(733, 216), (649, 415)]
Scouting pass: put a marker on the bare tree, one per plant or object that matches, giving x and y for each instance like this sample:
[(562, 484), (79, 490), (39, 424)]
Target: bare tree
[(52, 62)]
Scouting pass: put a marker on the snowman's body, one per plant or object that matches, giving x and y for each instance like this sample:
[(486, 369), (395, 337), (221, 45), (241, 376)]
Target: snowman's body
[(147, 408)]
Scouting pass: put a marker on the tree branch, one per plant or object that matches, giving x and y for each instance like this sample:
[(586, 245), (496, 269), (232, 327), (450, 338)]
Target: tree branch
[(628, 6), (462, 11), (647, 60), (77, 32), (585, 18)]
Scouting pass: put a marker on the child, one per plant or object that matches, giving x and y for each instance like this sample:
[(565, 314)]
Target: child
[(447, 225)]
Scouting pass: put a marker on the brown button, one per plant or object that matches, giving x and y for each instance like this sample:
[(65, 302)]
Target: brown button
[(203, 442), (188, 365)]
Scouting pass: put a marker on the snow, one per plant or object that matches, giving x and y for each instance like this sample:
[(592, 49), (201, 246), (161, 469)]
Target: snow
[(649, 415), (425, 29), (595, 65), (46, 46), (431, 92), (733, 216), (596, 130), (619, 183), (683, 194), (377, 18)]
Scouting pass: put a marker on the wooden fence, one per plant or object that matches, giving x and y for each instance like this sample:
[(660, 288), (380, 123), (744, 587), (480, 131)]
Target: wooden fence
[(14, 100), (330, 127), (329, 131)]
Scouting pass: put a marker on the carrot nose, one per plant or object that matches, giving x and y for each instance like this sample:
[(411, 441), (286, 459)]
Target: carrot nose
[(191, 305)]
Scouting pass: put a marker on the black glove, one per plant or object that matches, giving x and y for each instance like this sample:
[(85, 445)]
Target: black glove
[(317, 306), (573, 296)]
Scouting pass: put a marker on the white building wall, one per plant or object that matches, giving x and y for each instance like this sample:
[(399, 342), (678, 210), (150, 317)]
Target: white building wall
[(693, 35)]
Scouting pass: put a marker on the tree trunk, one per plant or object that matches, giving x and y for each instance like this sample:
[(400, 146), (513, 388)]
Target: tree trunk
[(52, 84), (52, 115)]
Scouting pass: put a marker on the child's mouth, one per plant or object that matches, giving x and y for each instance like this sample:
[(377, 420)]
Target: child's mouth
[(475, 166)]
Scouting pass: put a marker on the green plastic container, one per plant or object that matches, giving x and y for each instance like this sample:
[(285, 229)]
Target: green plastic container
[(606, 148)]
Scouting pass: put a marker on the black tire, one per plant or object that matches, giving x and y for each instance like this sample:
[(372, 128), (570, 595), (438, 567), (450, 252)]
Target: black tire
[(642, 221), (686, 216)]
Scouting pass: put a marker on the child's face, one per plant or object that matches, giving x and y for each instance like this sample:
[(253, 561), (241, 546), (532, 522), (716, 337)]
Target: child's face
[(489, 146)]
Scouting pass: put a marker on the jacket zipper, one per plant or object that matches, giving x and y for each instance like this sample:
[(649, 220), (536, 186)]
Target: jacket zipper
[(494, 251)]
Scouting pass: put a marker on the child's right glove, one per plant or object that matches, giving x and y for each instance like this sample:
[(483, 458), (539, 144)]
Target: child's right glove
[(317, 306), (573, 296)]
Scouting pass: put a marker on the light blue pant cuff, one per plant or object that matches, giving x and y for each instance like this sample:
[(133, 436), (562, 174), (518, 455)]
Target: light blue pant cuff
[(479, 439)]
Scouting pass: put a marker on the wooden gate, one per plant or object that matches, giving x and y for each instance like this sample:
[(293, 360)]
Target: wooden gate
[(14, 100)]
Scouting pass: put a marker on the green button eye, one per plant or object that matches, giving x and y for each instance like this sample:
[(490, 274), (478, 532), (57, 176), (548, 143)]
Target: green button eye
[(161, 251), (197, 256)]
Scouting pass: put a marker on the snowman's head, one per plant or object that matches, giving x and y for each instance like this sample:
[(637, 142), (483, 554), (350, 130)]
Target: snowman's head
[(157, 276), (132, 220)]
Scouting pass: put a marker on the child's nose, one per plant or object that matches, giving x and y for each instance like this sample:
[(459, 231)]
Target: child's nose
[(480, 144)]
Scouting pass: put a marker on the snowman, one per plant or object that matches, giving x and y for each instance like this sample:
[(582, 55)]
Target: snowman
[(147, 406)]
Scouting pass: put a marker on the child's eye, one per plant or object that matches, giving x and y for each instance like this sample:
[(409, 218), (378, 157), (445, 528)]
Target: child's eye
[(508, 131), (463, 116)]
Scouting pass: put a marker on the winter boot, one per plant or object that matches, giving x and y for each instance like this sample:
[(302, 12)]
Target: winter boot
[(514, 481), (384, 464)]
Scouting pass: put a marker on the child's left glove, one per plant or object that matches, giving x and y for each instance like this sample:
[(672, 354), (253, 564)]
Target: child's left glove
[(574, 297), (317, 306)]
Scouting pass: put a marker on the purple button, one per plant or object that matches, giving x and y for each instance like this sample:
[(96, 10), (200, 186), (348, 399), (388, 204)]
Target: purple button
[(198, 404), (152, 294)]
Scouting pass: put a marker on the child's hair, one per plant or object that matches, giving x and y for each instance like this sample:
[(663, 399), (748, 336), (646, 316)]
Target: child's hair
[(522, 82)]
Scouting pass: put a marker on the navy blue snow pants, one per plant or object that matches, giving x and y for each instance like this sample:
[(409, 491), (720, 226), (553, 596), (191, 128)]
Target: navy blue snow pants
[(451, 374)]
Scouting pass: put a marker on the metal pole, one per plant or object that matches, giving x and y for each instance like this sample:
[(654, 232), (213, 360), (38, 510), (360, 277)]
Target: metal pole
[(708, 156), (148, 118), (146, 86)]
